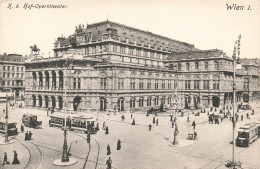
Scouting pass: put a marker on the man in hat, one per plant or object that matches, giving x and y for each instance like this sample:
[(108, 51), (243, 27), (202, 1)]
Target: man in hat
[(107, 130), (5, 159), (194, 125), (133, 123), (157, 122), (22, 128), (30, 135), (26, 136)]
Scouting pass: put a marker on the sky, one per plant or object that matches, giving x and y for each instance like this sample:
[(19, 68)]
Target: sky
[(207, 24)]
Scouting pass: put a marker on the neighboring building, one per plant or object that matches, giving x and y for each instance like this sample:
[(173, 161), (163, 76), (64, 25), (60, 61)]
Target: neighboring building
[(12, 74), (110, 66), (205, 78)]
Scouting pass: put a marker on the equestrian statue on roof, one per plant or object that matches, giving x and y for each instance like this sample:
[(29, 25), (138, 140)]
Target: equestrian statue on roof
[(34, 49)]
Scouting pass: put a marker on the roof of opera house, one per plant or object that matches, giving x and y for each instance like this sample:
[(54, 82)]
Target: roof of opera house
[(124, 32)]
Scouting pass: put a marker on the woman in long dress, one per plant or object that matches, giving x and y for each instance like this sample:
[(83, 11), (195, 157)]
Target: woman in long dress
[(15, 161)]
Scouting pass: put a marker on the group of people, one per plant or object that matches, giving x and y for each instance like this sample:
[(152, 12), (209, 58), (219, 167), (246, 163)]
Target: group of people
[(15, 160), (28, 135)]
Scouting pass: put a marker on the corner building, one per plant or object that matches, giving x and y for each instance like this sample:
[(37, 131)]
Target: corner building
[(105, 66)]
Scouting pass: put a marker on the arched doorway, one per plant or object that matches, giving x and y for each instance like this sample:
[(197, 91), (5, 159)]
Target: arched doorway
[(53, 80), (46, 101), (53, 102), (33, 100), (34, 80), (187, 101), (215, 101), (60, 102), (47, 79), (196, 101), (245, 97), (120, 104), (40, 79), (40, 100), (76, 103), (103, 104), (60, 80)]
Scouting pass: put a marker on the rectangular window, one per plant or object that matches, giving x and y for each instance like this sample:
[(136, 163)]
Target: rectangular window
[(103, 83), (78, 83), (187, 84), (132, 84), (93, 50), (130, 51), (74, 83), (152, 55), (169, 84), (114, 48), (120, 83), (138, 52), (206, 84), (8, 68), (4, 67), (145, 54), (122, 50), (149, 84), (163, 84), (156, 84), (17, 68), (215, 84), (196, 84), (141, 84), (4, 74), (12, 68)]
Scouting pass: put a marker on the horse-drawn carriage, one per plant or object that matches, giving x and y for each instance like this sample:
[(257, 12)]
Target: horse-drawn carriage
[(30, 120)]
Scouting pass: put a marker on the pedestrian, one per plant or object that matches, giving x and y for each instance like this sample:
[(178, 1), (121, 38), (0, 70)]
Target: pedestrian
[(104, 126), (26, 136), (22, 128), (48, 112), (5, 159), (118, 145), (108, 150), (172, 124), (171, 118), (15, 161), (195, 135), (30, 135), (147, 113), (150, 127), (188, 119), (157, 122), (131, 115), (153, 119), (133, 123), (194, 125), (242, 117), (107, 130), (97, 128), (109, 163), (237, 116), (253, 112), (247, 116)]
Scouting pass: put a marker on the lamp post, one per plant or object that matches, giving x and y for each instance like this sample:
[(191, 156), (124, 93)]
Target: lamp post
[(65, 157), (236, 62), (6, 120)]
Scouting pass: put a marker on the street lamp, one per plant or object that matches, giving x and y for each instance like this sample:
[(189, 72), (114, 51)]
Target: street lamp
[(236, 65), (6, 120)]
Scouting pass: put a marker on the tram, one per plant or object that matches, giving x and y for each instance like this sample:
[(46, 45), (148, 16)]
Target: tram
[(247, 134), (30, 120), (12, 130), (74, 123)]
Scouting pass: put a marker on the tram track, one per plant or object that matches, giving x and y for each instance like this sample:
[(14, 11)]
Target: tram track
[(29, 164)]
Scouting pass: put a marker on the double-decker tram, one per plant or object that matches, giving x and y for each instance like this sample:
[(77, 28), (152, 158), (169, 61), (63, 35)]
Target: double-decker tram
[(247, 134), (12, 130)]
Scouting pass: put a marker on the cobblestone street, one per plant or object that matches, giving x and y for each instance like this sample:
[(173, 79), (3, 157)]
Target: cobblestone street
[(141, 148)]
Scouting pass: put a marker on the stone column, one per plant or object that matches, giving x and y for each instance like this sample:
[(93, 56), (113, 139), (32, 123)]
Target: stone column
[(221, 98), (43, 102), (57, 107), (191, 102), (50, 80), (43, 81), (37, 102)]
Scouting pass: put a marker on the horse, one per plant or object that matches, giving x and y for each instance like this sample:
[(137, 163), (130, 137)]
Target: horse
[(35, 49)]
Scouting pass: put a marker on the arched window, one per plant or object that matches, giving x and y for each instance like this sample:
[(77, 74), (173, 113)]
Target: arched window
[(216, 65), (149, 101), (179, 66), (196, 65), (132, 103), (187, 66), (141, 102), (206, 65)]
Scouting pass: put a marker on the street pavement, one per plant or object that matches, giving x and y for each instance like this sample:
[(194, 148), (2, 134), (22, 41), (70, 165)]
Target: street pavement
[(141, 148)]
